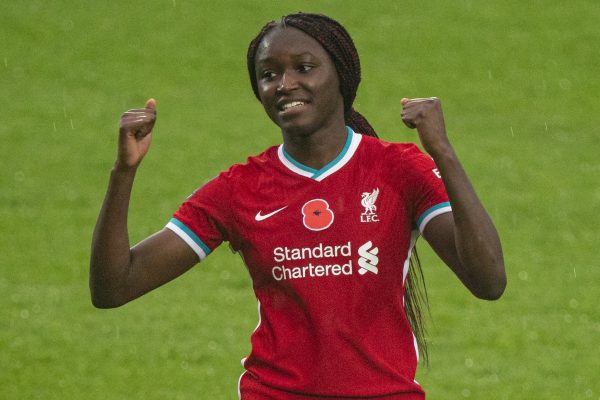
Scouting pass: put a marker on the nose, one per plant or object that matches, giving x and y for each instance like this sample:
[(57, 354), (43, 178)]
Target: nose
[(288, 82)]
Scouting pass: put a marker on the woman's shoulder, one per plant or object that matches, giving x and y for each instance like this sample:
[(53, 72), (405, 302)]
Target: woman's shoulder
[(392, 150), (243, 173), (254, 164)]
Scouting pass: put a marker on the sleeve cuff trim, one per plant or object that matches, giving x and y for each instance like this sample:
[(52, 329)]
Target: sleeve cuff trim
[(185, 233), (432, 212)]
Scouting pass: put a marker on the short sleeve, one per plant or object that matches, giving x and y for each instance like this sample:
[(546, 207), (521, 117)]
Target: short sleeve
[(426, 189), (202, 220)]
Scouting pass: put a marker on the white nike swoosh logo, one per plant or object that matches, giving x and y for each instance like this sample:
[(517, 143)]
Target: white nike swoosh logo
[(260, 217)]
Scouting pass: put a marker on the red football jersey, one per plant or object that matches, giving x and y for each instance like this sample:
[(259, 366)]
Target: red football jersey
[(327, 251)]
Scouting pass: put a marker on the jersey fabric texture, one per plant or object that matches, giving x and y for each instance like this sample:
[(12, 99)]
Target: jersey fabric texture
[(327, 251)]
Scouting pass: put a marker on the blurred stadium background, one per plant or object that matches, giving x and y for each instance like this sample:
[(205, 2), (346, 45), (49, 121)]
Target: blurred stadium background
[(519, 84)]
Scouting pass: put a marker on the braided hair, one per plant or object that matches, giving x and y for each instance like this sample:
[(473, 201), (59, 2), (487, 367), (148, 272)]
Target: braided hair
[(339, 45)]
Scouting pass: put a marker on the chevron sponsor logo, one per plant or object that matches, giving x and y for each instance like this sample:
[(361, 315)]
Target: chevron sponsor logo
[(368, 259)]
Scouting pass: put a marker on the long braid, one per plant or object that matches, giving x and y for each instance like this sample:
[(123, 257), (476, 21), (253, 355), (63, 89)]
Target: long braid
[(337, 42), (359, 123)]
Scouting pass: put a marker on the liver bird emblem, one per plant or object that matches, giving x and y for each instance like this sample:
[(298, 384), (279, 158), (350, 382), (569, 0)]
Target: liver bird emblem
[(368, 201)]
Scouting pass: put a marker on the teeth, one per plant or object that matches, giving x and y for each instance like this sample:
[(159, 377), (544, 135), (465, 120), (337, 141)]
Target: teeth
[(292, 104)]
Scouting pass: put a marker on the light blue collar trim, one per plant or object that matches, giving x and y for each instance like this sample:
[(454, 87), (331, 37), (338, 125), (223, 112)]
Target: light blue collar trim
[(352, 141), (301, 166)]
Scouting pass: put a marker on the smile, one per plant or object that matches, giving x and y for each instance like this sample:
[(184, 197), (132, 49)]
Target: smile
[(292, 104)]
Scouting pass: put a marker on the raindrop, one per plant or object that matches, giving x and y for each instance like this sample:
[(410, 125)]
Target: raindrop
[(67, 336), (568, 318), (573, 303), (225, 275), (24, 314), (54, 294), (468, 363), (71, 195), (184, 365), (532, 335), (212, 346), (512, 132), (564, 84), (523, 275), (19, 176), (466, 393), (569, 237), (19, 73), (68, 25)]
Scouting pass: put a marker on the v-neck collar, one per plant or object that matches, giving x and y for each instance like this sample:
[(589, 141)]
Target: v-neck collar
[(352, 141)]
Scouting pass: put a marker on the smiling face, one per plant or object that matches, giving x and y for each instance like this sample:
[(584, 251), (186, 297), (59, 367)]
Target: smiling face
[(297, 82)]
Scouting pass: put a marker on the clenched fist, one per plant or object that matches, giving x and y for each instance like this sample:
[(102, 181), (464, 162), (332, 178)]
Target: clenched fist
[(135, 135), (426, 116)]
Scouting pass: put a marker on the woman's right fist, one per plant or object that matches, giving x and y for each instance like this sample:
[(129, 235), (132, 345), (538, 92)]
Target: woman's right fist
[(135, 134)]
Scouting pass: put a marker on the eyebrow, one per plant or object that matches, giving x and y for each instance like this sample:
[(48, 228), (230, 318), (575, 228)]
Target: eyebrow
[(295, 56)]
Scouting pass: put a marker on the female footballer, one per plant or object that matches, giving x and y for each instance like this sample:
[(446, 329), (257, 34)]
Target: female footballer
[(326, 224)]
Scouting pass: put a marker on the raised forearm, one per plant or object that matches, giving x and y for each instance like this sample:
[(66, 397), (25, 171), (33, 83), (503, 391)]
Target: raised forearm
[(476, 239), (111, 258), (467, 241), (110, 255)]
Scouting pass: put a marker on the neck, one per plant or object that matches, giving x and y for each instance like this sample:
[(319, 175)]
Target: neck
[(317, 149)]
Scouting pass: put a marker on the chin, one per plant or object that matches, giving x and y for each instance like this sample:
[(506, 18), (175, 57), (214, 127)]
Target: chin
[(297, 128)]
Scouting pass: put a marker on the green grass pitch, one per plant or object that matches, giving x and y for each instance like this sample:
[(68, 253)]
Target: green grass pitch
[(520, 89)]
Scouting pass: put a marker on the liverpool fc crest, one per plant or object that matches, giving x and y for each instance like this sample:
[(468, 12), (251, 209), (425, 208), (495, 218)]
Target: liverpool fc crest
[(368, 202)]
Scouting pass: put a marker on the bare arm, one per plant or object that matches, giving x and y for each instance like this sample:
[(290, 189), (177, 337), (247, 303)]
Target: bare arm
[(119, 274), (466, 239)]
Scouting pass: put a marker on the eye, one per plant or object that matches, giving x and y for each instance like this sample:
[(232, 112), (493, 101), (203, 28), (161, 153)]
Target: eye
[(267, 74), (305, 67)]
